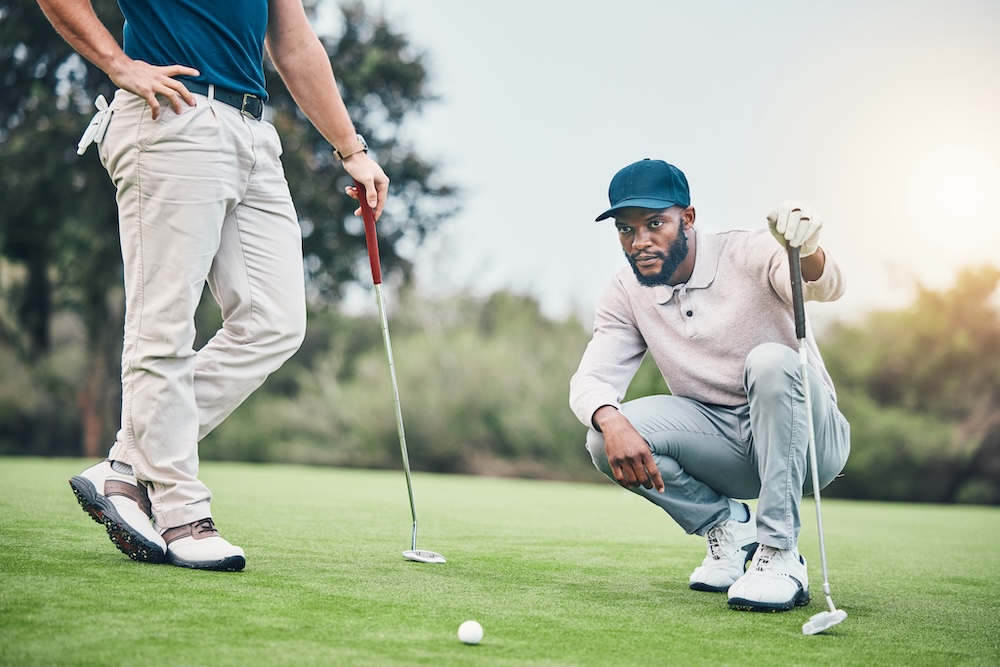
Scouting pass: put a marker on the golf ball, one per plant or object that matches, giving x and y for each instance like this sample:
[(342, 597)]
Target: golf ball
[(470, 632)]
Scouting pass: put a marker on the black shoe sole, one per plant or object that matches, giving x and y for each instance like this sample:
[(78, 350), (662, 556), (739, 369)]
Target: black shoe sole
[(740, 604), (231, 564), (101, 510), (750, 550), (705, 588)]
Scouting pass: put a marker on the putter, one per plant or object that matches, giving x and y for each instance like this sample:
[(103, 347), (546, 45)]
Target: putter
[(824, 620), (414, 554)]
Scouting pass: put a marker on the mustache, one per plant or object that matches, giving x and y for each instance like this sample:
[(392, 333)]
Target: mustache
[(647, 254)]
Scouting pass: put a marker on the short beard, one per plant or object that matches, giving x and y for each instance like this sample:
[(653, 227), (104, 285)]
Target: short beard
[(675, 255)]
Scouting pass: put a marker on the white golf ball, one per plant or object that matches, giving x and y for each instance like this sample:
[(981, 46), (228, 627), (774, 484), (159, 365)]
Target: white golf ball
[(470, 632)]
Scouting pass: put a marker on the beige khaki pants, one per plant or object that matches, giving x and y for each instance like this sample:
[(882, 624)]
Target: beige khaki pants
[(201, 197)]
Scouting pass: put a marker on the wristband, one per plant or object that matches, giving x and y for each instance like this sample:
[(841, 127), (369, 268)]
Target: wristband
[(362, 145)]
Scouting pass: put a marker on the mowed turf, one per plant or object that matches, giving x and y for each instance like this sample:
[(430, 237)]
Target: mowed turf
[(557, 573)]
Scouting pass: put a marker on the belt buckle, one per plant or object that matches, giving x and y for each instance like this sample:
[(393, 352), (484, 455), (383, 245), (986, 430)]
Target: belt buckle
[(243, 107)]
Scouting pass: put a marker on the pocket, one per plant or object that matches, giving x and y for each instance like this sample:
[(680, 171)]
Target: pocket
[(275, 138), (192, 126)]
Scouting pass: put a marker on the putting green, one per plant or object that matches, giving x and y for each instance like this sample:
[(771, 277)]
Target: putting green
[(556, 573)]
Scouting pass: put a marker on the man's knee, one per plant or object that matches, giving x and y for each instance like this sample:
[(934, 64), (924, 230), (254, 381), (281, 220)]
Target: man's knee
[(770, 366), (281, 338), (294, 332)]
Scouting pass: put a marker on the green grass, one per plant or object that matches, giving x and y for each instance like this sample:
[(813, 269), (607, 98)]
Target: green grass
[(557, 573)]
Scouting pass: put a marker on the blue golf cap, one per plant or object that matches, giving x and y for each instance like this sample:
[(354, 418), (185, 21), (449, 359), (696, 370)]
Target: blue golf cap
[(647, 184)]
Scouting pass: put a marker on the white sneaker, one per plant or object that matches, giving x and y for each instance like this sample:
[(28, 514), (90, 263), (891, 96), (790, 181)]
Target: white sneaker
[(120, 502), (198, 545), (731, 544), (776, 581)]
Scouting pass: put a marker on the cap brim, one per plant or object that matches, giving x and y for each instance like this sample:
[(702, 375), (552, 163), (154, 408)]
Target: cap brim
[(638, 202)]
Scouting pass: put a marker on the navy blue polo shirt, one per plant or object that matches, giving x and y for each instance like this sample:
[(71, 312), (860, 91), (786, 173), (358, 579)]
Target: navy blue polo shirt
[(222, 39)]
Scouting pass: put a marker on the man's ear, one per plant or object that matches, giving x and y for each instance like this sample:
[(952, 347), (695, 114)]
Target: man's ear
[(688, 215)]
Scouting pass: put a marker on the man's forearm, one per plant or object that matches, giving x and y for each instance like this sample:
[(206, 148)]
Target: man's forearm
[(78, 24), (306, 71)]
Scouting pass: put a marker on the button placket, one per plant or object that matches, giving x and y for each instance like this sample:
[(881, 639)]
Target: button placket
[(687, 312)]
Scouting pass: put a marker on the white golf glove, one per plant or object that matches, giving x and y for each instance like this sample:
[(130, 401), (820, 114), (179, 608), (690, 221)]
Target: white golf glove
[(796, 225), (98, 126)]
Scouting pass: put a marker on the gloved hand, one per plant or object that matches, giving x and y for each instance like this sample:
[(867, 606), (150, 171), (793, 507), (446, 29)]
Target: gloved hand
[(796, 225)]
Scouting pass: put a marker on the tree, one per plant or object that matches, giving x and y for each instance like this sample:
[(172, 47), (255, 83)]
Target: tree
[(914, 372), (383, 84), (58, 223)]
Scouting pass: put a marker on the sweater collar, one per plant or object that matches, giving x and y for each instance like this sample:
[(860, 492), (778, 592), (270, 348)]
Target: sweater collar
[(706, 264)]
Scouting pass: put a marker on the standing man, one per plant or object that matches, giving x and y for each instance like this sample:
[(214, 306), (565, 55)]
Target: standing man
[(201, 197), (713, 311)]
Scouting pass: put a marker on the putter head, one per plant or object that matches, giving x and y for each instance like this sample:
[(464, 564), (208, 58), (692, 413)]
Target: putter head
[(421, 556), (823, 621)]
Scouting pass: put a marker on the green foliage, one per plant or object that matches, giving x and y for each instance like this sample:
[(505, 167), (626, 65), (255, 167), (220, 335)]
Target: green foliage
[(58, 220), (896, 454), (384, 83), (921, 387), (483, 388), (483, 382), (648, 381), (940, 355), (59, 246), (38, 413)]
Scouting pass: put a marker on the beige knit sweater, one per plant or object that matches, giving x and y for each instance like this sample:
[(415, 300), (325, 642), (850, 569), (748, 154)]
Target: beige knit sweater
[(698, 333)]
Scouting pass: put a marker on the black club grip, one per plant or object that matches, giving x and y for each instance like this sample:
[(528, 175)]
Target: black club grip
[(795, 270)]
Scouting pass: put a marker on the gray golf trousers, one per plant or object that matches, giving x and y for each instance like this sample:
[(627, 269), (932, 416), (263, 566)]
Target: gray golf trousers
[(708, 454)]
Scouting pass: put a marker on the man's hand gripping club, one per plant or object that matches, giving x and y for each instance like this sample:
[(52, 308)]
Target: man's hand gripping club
[(796, 225)]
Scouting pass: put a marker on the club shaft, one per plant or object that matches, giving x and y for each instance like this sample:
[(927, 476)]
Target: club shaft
[(814, 466), (798, 304), (371, 241), (399, 411)]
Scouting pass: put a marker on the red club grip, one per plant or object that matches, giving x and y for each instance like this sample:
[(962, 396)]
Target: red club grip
[(368, 215)]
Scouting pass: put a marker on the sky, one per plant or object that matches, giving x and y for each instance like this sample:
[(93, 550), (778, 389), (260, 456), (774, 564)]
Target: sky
[(882, 115)]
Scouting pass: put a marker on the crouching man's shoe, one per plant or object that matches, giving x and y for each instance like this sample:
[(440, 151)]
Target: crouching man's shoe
[(777, 580), (731, 544), (120, 503), (198, 545)]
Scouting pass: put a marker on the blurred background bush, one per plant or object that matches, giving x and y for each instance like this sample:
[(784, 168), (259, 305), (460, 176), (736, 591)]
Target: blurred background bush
[(483, 380)]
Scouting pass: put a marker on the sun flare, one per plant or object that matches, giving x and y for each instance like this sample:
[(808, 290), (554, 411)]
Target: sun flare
[(956, 183)]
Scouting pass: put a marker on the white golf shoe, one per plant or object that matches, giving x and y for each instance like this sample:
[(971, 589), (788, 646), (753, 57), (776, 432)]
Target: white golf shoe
[(121, 504), (198, 545), (777, 580), (731, 544)]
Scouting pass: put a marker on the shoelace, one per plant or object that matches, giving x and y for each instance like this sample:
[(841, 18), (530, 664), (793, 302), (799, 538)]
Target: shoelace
[(716, 536), (204, 526), (765, 557)]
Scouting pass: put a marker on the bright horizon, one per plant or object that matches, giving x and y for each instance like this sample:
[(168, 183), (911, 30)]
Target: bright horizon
[(881, 115)]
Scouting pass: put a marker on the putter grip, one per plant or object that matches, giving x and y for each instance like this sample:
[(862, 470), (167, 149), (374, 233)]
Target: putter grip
[(795, 271), (370, 237)]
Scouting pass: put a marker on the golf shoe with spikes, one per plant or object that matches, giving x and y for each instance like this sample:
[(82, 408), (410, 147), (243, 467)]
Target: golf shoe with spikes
[(198, 545), (730, 544), (119, 502), (776, 580)]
